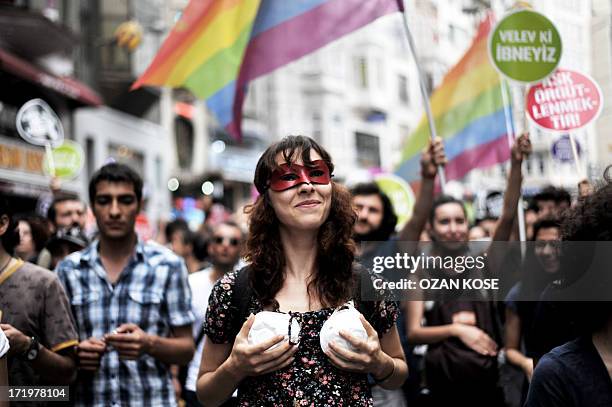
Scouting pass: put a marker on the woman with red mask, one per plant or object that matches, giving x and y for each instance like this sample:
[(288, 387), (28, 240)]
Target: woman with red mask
[(301, 262)]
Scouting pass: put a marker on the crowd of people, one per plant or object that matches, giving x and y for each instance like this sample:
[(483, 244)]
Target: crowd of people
[(126, 321)]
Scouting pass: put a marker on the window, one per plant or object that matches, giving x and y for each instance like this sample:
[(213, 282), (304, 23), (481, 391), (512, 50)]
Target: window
[(183, 131), (368, 150), (316, 126), (402, 86), (90, 153), (380, 73), (541, 164), (159, 171), (361, 70), (529, 164), (429, 83)]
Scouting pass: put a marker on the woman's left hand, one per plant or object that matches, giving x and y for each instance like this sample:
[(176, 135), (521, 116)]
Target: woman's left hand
[(368, 357)]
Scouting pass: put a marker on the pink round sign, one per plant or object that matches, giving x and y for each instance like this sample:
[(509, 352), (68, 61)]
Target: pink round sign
[(565, 101)]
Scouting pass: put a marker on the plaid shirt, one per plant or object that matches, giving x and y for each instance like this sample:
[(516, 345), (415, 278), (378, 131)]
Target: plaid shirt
[(153, 293)]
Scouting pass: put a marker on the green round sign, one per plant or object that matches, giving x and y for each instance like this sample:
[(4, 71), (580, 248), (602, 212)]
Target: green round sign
[(525, 46), (67, 159), (400, 194)]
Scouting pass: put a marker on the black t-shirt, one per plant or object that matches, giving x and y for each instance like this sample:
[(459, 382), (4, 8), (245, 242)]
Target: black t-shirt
[(571, 375), (557, 322), (456, 374)]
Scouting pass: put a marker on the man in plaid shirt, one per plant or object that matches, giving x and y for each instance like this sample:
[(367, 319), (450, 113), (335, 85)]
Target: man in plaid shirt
[(131, 302)]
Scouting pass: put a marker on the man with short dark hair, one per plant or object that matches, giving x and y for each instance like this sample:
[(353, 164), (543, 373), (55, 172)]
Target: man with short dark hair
[(66, 215), (180, 239), (67, 211), (375, 217), (552, 201), (374, 229), (34, 316), (131, 301)]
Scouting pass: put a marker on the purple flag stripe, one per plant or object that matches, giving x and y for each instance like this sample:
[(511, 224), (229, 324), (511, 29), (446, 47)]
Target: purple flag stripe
[(307, 32), (484, 155), (301, 35)]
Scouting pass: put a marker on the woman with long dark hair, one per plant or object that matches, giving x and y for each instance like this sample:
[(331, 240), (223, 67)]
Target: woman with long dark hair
[(301, 262), (33, 234)]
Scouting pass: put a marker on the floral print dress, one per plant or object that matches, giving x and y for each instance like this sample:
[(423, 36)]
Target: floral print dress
[(311, 380)]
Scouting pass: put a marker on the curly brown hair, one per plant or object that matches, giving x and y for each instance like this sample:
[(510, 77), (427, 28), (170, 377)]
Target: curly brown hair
[(591, 219), (334, 282)]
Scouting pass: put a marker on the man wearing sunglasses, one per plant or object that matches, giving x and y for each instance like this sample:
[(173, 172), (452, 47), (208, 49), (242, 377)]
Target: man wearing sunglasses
[(224, 249)]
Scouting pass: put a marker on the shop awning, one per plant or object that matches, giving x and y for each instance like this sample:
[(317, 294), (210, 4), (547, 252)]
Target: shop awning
[(68, 87)]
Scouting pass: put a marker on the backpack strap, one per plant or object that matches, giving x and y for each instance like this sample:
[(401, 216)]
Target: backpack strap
[(367, 308), (241, 295)]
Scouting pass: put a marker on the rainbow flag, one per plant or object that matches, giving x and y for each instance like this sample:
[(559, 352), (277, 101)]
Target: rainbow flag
[(219, 46), (470, 116)]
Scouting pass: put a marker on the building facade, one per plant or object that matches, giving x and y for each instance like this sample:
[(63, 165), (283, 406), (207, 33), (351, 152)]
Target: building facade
[(40, 95)]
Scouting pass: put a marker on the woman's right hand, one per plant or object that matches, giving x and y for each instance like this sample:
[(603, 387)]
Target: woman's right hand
[(254, 360), (476, 339)]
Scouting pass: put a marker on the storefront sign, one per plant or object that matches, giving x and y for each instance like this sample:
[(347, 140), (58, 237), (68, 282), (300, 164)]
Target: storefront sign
[(38, 124), (566, 101), (17, 158), (525, 46)]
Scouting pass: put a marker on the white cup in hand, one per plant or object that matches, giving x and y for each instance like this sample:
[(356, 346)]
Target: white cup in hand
[(268, 324), (342, 320)]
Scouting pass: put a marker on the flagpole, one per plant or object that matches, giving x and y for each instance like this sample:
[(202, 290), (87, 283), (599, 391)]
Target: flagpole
[(424, 95), (50, 159), (576, 158), (520, 210), (503, 84)]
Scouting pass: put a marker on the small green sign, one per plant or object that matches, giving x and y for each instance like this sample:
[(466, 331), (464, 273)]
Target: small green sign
[(525, 46), (400, 194), (67, 159)]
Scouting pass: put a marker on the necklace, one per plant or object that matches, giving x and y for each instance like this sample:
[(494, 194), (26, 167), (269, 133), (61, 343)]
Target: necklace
[(6, 265)]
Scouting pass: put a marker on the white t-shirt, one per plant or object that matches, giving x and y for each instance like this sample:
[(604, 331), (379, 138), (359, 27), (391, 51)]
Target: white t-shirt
[(4, 344), (201, 287)]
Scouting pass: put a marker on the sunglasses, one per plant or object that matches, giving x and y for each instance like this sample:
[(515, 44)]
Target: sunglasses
[(232, 240)]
